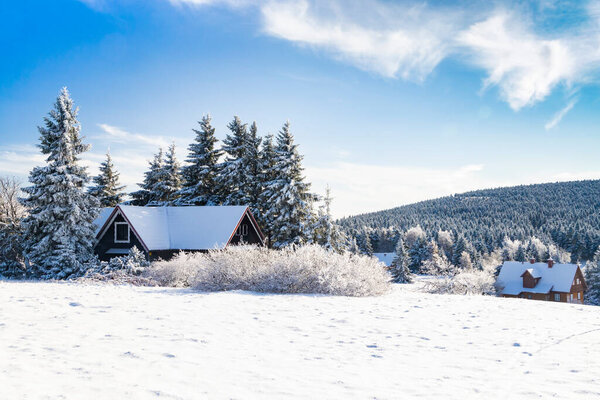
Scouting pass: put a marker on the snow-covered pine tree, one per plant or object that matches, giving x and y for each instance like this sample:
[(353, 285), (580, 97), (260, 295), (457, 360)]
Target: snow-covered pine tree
[(459, 247), (168, 182), (253, 166), (233, 171), (59, 229), (328, 233), (268, 175), (400, 270), (107, 189), (146, 195), (520, 254), (592, 279), (289, 197), (200, 176), (364, 242)]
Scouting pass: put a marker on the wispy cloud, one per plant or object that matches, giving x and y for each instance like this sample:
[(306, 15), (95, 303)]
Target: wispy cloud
[(118, 135), (408, 40), (559, 115)]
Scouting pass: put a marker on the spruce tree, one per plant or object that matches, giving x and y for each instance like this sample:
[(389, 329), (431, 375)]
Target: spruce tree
[(592, 279), (59, 229), (200, 177), (364, 242), (233, 170), (168, 183), (328, 233), (400, 271), (253, 170), (107, 189), (520, 254), (289, 197), (268, 175), (146, 196)]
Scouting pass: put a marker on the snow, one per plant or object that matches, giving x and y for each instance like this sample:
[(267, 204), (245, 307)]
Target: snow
[(385, 258), (102, 217), (107, 342), (191, 228), (559, 278)]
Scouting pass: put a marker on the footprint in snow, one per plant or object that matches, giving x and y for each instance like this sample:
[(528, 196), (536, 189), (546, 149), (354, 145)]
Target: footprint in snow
[(169, 355), (516, 344), (74, 304)]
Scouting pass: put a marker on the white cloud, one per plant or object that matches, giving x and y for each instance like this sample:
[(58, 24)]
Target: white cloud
[(559, 115), (525, 67), (117, 135), (409, 39)]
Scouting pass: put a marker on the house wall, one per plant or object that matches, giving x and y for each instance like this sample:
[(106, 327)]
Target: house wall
[(528, 280), (251, 238), (108, 241)]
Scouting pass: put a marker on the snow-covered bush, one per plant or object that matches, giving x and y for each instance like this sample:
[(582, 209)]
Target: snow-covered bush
[(469, 281), (124, 269), (306, 269)]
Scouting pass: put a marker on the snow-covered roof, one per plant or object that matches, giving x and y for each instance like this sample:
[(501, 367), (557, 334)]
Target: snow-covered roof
[(559, 278), (102, 217), (184, 228), (385, 258)]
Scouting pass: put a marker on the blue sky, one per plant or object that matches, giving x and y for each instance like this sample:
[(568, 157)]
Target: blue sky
[(391, 102)]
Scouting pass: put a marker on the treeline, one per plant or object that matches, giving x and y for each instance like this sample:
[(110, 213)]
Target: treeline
[(50, 232), (564, 215)]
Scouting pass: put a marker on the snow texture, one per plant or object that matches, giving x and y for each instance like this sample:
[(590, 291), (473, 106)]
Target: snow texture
[(67, 340), (559, 278)]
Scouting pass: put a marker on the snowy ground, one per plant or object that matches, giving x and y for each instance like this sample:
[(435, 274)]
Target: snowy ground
[(80, 341)]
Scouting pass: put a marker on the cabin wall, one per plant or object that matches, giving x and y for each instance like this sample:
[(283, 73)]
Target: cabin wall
[(251, 238), (107, 241), (528, 280)]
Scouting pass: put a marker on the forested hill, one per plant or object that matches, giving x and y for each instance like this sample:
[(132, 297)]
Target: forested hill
[(565, 213)]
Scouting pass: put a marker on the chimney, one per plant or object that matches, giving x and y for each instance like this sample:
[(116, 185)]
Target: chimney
[(532, 260), (550, 262)]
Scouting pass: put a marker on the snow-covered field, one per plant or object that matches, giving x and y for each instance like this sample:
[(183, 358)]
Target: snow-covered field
[(76, 341)]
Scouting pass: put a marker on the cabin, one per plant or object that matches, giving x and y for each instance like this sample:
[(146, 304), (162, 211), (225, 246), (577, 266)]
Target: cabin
[(161, 232), (547, 281)]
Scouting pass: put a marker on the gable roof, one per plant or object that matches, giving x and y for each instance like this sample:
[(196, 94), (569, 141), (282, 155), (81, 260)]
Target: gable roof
[(559, 278), (183, 228), (102, 217)]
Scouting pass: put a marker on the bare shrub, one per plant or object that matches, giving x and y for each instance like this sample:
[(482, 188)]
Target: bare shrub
[(307, 269), (466, 282)]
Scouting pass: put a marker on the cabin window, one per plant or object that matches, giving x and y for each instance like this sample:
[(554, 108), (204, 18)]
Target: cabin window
[(556, 296), (529, 296), (242, 230), (578, 295), (121, 232)]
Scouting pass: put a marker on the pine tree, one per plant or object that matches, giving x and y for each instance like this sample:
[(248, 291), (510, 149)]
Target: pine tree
[(168, 183), (147, 196), (268, 176), (364, 242), (520, 254), (253, 170), (60, 229), (233, 171), (107, 189), (400, 270), (289, 196), (592, 279), (459, 247), (328, 233), (200, 177)]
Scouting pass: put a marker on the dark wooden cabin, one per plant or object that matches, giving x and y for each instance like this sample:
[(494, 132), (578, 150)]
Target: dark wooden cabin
[(161, 232)]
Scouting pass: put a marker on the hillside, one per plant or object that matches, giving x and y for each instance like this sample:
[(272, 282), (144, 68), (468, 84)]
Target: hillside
[(113, 342), (565, 213)]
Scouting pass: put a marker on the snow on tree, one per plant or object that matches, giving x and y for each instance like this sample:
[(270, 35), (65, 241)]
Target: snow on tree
[(253, 170), (399, 268), (445, 242), (592, 279), (459, 247), (147, 196), (520, 254), (59, 229), (233, 170), (289, 197), (328, 233), (200, 176), (417, 252), (107, 189), (464, 261), (268, 175), (364, 242), (168, 184), (414, 235), (12, 213)]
